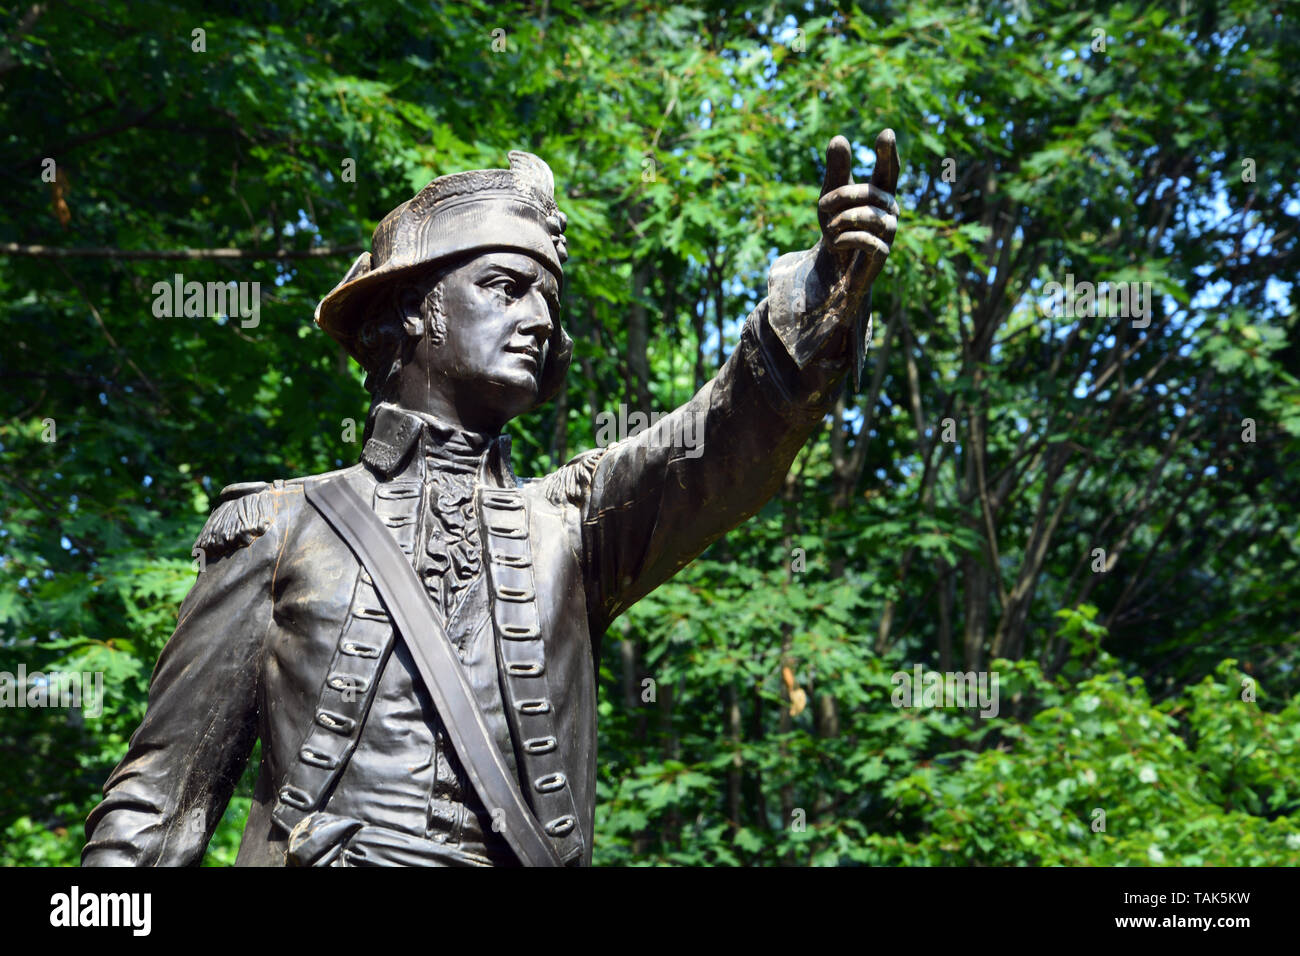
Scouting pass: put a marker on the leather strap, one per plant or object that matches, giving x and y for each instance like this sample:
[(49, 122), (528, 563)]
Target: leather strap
[(413, 615)]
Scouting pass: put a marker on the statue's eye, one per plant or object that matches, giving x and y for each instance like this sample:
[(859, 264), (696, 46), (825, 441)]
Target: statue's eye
[(506, 286)]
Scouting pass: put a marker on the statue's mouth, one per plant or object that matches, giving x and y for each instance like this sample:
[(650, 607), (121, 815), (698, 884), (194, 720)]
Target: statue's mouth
[(532, 351)]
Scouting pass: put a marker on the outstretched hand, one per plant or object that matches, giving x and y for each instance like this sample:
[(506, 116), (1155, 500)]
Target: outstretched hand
[(858, 220)]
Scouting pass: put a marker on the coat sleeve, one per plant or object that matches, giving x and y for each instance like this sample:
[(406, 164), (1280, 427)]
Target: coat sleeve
[(166, 797), (659, 498)]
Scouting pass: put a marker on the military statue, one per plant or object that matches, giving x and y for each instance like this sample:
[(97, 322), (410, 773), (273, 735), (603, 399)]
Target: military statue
[(414, 639)]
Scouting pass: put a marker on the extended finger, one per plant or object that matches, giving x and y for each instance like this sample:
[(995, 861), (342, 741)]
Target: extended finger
[(885, 175), (857, 194), (838, 159)]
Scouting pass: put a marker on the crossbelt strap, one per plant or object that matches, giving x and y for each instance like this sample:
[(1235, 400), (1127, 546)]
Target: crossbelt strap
[(441, 672)]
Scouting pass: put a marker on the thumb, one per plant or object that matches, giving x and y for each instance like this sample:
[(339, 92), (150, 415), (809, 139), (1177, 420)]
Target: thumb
[(837, 165)]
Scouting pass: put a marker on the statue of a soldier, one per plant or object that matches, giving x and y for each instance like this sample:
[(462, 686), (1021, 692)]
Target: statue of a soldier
[(414, 638)]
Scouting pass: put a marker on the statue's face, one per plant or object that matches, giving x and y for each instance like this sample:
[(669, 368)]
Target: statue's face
[(499, 309)]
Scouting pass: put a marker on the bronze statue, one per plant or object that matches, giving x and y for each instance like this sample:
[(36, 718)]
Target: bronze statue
[(414, 638)]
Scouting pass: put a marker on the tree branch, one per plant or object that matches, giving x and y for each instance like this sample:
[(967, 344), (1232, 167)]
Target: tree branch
[(108, 252)]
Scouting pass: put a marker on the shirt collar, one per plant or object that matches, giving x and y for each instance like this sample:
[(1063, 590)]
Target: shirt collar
[(394, 431)]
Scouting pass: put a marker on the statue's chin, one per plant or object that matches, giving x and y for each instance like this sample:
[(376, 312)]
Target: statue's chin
[(510, 393)]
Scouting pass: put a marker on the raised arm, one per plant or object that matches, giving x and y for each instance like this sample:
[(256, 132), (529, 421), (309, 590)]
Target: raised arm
[(659, 498)]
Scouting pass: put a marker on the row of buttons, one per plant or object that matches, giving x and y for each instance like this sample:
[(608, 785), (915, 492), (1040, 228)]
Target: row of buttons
[(523, 657)]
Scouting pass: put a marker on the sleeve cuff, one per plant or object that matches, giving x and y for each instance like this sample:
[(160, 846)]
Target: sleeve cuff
[(809, 335)]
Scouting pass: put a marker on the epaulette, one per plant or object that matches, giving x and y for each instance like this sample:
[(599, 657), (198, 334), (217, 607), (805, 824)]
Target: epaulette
[(572, 481), (242, 515)]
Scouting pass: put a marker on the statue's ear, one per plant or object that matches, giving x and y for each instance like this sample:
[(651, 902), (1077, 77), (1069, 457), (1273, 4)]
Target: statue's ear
[(409, 300), (558, 357)]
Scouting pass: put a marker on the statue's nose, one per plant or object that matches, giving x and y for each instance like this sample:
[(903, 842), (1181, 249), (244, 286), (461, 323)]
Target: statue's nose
[(537, 322)]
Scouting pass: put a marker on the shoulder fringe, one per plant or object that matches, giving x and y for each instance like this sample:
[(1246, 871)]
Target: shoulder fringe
[(237, 522), (572, 481)]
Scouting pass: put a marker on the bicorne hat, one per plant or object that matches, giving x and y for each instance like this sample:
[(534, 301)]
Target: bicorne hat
[(475, 211)]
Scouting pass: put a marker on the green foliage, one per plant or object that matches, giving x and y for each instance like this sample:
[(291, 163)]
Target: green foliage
[(1199, 780)]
